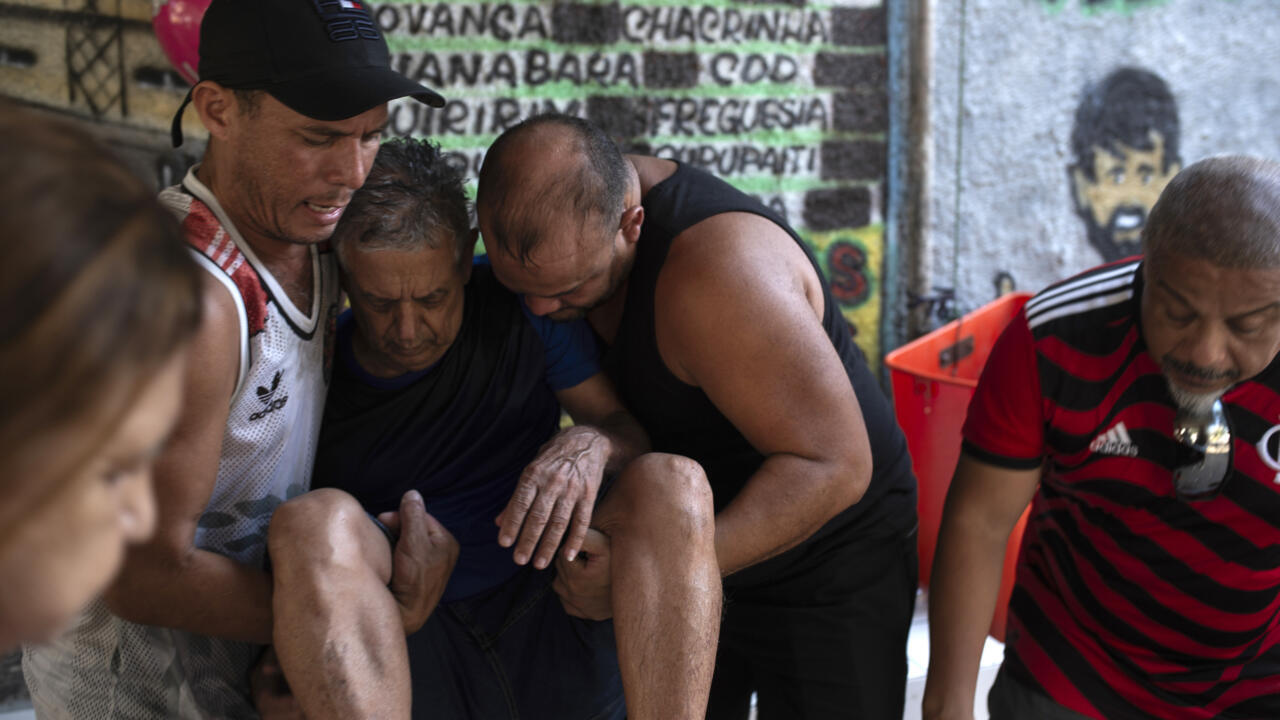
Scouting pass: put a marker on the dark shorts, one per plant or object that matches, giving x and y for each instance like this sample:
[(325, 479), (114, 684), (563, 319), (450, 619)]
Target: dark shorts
[(514, 653), (825, 639)]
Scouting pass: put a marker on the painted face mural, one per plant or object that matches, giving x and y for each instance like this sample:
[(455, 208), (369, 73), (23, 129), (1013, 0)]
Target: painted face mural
[(1122, 191), (1126, 147)]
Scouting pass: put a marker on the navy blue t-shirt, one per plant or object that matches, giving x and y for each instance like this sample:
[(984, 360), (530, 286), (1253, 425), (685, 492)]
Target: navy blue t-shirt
[(461, 431)]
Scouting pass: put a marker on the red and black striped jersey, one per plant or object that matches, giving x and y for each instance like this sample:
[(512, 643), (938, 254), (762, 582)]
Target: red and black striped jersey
[(1131, 602)]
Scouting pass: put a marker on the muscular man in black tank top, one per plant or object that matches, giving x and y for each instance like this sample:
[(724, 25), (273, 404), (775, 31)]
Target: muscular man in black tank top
[(726, 343)]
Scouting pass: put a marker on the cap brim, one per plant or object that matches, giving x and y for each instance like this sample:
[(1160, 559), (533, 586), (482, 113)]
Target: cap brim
[(345, 94)]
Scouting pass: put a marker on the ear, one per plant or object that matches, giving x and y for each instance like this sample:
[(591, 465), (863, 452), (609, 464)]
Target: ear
[(216, 106), (468, 254), (1079, 183), (632, 221)]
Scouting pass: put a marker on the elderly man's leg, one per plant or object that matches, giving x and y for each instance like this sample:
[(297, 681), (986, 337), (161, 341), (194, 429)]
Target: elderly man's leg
[(338, 630), (666, 585)]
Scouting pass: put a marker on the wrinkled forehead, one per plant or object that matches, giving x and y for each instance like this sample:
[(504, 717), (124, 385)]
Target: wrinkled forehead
[(557, 265), (386, 267)]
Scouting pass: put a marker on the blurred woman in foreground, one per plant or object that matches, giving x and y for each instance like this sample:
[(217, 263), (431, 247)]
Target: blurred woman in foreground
[(98, 300)]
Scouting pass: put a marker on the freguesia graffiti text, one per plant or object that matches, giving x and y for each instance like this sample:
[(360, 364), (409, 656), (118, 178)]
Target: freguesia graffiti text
[(718, 116)]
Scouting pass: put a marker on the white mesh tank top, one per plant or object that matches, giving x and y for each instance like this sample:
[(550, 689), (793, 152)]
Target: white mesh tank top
[(105, 667)]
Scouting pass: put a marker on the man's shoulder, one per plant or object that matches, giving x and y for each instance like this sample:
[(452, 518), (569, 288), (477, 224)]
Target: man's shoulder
[(200, 224), (1088, 302)]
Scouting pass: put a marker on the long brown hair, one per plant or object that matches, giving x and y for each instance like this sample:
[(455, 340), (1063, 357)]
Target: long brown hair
[(97, 291)]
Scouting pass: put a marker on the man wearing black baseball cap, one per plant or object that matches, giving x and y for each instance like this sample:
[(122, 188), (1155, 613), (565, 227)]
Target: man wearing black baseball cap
[(294, 95)]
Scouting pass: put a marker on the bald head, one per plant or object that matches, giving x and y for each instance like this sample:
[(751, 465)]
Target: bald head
[(1225, 210), (550, 172)]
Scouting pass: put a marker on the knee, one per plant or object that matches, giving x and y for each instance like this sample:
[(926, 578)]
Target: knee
[(668, 490), (316, 529)]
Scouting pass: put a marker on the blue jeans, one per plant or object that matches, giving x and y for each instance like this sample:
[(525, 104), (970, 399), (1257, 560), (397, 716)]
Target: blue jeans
[(513, 653)]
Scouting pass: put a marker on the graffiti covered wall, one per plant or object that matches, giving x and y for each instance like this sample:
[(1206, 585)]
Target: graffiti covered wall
[(1055, 123), (786, 100)]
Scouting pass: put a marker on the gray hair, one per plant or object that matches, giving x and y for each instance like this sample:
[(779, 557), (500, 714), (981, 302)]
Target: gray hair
[(413, 199), (1225, 210)]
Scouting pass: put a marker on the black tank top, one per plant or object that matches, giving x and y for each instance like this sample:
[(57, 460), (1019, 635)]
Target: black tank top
[(681, 419)]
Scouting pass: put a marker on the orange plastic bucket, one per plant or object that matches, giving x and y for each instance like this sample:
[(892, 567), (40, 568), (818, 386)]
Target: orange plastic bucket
[(933, 381)]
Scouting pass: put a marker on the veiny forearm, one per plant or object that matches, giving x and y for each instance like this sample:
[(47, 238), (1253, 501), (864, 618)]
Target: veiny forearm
[(788, 499), (962, 598), (200, 592)]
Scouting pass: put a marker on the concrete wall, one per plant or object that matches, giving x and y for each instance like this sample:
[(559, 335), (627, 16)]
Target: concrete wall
[(786, 100), (1006, 85), (98, 60)]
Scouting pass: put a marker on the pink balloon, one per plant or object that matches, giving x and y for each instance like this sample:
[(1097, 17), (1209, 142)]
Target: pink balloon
[(177, 26)]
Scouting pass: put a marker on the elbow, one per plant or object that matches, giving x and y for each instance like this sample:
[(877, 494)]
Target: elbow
[(849, 477)]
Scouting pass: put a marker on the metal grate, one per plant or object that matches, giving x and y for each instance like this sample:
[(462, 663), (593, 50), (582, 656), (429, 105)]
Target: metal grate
[(95, 61)]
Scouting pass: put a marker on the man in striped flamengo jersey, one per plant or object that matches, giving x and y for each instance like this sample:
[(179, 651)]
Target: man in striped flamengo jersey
[(1137, 407)]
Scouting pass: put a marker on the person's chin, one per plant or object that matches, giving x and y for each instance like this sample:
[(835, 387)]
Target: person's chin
[(1195, 397), (408, 362), (567, 314), (55, 618)]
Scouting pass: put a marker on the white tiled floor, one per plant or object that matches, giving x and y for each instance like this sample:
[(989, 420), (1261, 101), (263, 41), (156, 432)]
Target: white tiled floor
[(917, 664)]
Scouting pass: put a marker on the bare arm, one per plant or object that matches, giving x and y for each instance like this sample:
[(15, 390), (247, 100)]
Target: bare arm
[(738, 313), (983, 505), (168, 581), (557, 491)]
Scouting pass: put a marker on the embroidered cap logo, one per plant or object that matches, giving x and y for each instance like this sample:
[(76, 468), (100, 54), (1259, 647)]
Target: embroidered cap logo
[(346, 20)]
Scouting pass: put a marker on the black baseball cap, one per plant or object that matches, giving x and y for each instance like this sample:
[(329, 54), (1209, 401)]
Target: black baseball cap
[(324, 59)]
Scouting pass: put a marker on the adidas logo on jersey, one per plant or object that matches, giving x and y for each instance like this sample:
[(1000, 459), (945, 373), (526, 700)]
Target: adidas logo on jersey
[(268, 398), (1114, 442)]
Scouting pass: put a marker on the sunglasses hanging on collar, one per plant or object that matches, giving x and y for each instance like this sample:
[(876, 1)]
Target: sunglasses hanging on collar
[(1204, 452)]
